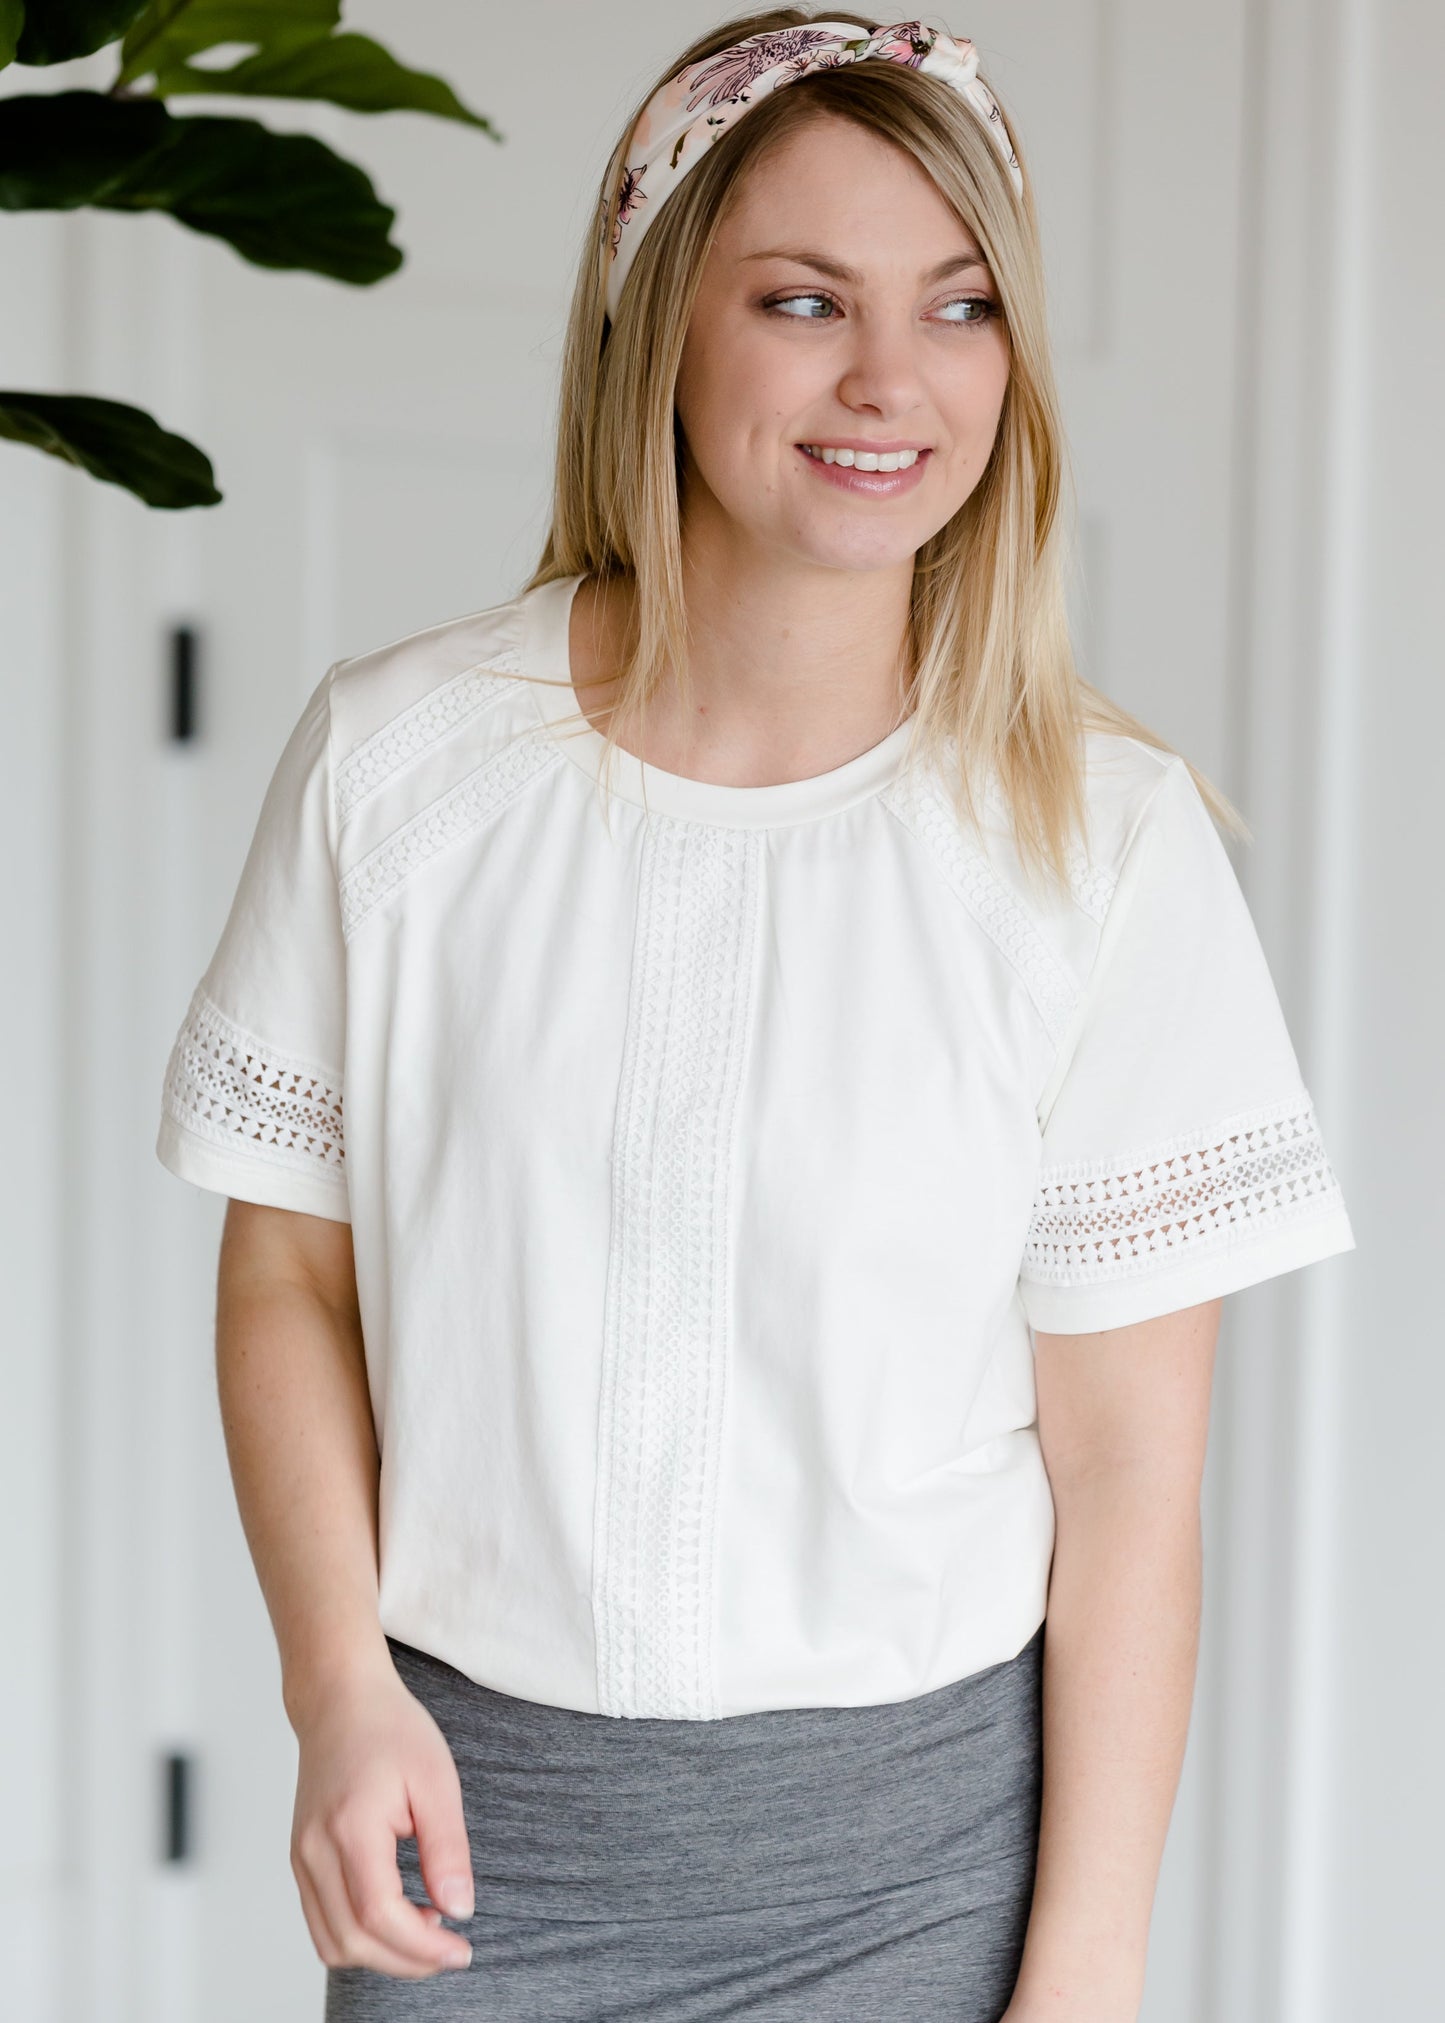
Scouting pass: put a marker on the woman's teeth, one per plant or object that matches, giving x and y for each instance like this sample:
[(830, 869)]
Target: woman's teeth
[(864, 460)]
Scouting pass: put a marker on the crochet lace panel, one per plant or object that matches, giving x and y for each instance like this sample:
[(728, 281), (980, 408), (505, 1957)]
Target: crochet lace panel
[(482, 794), (1113, 1219), (667, 1322), (924, 806), (231, 1089), (433, 717), (1092, 884)]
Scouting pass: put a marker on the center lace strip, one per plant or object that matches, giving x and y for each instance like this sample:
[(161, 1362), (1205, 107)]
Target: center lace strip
[(666, 1337)]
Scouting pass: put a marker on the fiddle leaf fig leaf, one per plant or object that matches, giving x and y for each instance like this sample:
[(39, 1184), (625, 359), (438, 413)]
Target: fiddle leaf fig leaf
[(55, 30), (280, 200), (169, 32), (120, 445), (72, 147), (12, 17), (348, 70)]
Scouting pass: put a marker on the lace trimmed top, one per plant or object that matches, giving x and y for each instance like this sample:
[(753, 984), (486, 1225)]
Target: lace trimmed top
[(708, 1169)]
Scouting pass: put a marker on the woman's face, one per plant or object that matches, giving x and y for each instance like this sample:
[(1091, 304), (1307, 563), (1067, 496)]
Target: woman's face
[(842, 304)]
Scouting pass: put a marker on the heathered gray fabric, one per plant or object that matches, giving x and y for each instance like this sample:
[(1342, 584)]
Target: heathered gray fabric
[(800, 1865)]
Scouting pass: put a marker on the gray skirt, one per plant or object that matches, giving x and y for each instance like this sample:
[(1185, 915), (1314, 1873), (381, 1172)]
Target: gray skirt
[(796, 1865)]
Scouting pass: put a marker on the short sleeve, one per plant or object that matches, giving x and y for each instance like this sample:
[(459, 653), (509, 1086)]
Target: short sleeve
[(252, 1099), (1181, 1156)]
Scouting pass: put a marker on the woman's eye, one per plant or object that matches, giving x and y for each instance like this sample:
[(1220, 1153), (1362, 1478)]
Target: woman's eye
[(980, 307), (778, 305), (986, 308)]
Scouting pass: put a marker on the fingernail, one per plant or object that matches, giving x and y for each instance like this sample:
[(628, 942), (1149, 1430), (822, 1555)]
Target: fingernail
[(462, 1959), (455, 1896)]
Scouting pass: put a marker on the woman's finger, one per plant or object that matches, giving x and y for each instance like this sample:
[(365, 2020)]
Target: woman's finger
[(317, 1923), (358, 1947), (383, 1913)]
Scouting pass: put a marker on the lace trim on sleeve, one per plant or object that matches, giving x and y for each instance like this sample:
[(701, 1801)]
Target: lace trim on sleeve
[(228, 1087), (1110, 1219)]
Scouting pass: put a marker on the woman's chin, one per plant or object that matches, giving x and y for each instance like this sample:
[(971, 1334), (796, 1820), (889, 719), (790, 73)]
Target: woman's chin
[(858, 548)]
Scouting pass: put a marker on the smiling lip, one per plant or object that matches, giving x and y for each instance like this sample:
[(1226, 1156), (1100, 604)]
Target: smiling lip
[(864, 443), (870, 484)]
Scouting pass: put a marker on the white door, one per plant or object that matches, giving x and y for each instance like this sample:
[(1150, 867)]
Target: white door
[(385, 456)]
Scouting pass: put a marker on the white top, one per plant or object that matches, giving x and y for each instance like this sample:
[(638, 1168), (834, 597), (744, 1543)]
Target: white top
[(706, 1175)]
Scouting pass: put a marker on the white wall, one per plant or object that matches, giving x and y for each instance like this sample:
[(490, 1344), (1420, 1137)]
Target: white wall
[(1382, 1759), (34, 1563), (1242, 225)]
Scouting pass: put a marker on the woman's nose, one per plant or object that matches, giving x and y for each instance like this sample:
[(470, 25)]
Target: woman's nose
[(882, 368)]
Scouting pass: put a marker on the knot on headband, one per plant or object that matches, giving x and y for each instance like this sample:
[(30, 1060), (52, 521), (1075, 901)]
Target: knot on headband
[(684, 118)]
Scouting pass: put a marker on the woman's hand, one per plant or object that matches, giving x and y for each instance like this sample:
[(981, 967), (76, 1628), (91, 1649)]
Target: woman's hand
[(374, 1769)]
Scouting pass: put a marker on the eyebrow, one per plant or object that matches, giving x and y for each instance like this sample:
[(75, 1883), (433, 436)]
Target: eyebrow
[(838, 272)]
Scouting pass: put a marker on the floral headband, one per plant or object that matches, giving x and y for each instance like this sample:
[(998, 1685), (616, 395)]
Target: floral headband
[(681, 121)]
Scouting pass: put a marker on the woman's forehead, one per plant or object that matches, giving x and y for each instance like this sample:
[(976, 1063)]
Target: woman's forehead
[(831, 180), (929, 250)]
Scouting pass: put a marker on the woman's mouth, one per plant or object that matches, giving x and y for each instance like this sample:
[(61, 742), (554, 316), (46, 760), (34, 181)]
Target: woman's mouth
[(877, 474)]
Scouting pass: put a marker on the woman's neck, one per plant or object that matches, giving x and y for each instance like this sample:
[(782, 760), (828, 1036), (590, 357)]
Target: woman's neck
[(792, 672)]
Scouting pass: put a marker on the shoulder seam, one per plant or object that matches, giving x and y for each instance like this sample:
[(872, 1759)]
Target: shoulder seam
[(333, 823), (425, 632), (1104, 942), (1173, 764)]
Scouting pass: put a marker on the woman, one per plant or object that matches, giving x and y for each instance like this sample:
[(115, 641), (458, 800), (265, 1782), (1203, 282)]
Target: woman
[(810, 1078)]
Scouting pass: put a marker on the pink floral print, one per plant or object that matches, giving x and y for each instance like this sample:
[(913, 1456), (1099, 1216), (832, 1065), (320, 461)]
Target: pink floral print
[(694, 109)]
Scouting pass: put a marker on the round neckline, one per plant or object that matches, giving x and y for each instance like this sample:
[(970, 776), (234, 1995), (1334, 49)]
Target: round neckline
[(547, 611)]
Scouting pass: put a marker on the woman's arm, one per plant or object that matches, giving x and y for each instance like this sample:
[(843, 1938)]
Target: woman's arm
[(291, 1371), (1123, 1421)]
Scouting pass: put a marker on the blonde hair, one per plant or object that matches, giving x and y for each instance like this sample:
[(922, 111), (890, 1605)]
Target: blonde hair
[(996, 688)]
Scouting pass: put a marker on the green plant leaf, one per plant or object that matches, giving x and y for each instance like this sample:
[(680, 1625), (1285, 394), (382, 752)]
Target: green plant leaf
[(12, 17), (168, 32), (281, 200), (56, 30), (349, 70), (72, 148), (120, 445)]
